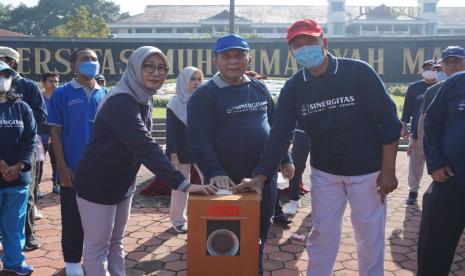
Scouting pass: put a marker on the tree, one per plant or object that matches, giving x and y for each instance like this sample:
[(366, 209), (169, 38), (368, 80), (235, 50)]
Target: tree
[(81, 25), (48, 14)]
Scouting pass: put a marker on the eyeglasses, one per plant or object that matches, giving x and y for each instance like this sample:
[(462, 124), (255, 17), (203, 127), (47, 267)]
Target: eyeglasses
[(150, 68), (196, 79)]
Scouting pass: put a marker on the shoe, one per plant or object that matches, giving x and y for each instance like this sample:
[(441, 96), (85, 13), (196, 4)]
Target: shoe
[(74, 269), (180, 229), (293, 207), (22, 269), (31, 243), (412, 198), (37, 214), (283, 220), (56, 189)]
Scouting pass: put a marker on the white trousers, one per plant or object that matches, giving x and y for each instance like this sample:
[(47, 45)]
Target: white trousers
[(178, 202), (329, 199), (416, 167)]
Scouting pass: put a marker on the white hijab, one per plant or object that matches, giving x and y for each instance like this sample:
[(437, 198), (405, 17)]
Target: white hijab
[(131, 83), (178, 103)]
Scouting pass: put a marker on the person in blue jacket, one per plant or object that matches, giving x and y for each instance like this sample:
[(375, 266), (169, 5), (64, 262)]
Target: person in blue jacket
[(411, 111), (177, 149), (343, 107), (17, 135), (71, 119), (121, 142), (443, 219), (228, 122), (28, 92)]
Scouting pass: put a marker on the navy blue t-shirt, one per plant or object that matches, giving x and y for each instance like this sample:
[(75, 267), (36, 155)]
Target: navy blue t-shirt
[(346, 113), (121, 141), (29, 93), (444, 140), (412, 102), (17, 132), (228, 126)]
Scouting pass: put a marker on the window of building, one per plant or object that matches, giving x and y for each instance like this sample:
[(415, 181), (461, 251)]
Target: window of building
[(281, 30), (459, 31), (429, 7), (245, 30), (143, 30), (445, 31), (264, 30), (205, 30), (185, 30), (337, 6), (129, 31), (430, 29), (164, 30), (384, 28), (369, 28), (400, 28), (338, 28)]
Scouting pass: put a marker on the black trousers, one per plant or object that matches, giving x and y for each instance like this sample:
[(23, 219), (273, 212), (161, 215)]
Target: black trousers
[(72, 235), (442, 224)]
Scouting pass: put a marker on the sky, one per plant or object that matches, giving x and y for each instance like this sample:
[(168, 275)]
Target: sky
[(137, 6)]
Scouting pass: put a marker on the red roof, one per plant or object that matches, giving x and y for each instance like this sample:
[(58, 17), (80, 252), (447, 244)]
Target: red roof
[(10, 33)]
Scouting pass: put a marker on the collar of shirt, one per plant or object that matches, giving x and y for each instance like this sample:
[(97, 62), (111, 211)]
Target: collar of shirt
[(222, 84), (332, 69), (76, 85)]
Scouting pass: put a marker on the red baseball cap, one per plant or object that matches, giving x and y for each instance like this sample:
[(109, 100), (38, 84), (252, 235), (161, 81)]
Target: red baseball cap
[(307, 27)]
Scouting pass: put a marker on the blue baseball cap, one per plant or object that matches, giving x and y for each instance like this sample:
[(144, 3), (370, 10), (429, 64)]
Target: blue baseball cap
[(453, 51), (231, 41), (5, 67)]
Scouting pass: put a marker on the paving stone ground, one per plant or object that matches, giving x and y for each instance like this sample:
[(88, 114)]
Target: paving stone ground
[(153, 250)]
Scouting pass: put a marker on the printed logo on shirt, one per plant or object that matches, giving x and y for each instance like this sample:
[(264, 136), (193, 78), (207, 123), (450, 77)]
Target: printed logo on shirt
[(462, 105), (340, 102), (421, 97), (247, 107), (75, 101), (11, 123)]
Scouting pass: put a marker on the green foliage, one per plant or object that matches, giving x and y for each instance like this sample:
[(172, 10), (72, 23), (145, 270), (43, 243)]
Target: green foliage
[(160, 102), (397, 90), (81, 25), (48, 14)]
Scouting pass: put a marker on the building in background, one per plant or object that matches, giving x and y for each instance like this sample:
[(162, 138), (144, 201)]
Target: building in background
[(8, 33), (271, 21)]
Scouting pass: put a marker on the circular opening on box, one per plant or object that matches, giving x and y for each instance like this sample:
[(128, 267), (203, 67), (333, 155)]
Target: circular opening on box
[(222, 242)]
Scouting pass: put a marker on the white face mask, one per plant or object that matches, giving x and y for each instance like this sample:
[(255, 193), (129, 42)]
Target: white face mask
[(440, 76), (5, 84), (428, 75)]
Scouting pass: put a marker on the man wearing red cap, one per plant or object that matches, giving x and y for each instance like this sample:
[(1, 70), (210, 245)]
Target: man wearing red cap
[(343, 107)]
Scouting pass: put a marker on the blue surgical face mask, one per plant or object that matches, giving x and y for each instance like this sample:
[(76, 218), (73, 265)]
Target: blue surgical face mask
[(440, 76), (89, 68), (309, 56)]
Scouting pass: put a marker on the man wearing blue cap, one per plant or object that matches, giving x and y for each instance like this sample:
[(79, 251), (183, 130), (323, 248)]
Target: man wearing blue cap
[(228, 122), (442, 220), (412, 102)]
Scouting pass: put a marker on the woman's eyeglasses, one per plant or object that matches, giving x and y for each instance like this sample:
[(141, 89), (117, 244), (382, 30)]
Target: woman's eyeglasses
[(150, 68), (196, 79)]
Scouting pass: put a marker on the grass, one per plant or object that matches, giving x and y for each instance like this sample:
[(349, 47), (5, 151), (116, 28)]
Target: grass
[(399, 101), (159, 112)]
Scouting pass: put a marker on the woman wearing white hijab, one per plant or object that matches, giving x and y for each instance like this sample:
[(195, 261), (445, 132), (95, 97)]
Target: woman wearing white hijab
[(176, 141), (121, 142)]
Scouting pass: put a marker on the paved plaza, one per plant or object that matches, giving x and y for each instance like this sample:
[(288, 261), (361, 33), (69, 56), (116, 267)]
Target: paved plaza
[(152, 249)]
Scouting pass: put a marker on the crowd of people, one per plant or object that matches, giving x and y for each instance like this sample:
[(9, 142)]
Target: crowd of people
[(229, 130)]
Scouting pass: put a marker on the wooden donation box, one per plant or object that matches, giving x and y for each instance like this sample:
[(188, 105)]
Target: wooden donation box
[(223, 235)]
